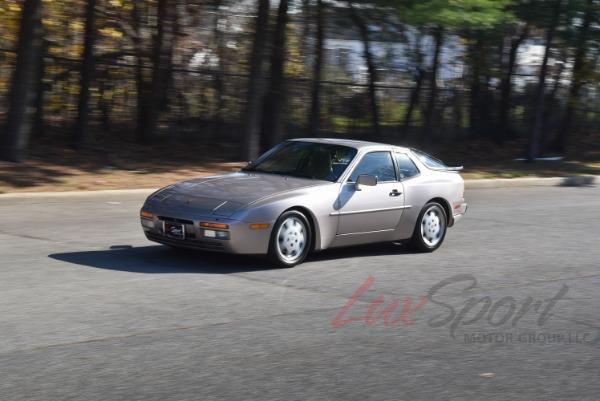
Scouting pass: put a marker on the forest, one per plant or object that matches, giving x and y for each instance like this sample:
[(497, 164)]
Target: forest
[(478, 75)]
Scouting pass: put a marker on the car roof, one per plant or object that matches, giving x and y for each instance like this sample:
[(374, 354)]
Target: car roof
[(348, 142)]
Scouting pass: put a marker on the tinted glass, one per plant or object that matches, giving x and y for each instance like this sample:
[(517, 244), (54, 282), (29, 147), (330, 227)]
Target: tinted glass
[(429, 160), (406, 166), (305, 159), (379, 164)]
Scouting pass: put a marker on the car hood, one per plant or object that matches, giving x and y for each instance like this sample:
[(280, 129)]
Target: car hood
[(226, 194)]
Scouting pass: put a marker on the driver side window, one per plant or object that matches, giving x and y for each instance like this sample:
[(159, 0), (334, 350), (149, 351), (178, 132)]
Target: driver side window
[(379, 164)]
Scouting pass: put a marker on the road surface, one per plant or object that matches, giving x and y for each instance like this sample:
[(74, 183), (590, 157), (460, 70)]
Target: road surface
[(90, 310)]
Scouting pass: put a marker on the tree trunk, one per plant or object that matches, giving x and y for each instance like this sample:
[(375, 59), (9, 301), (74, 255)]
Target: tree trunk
[(255, 84), (487, 104), (371, 68), (536, 132), (476, 61), (81, 136), (142, 106), (457, 109), (415, 95), (40, 84), (157, 83), (22, 92), (558, 74), (314, 120), (171, 30), (429, 110), (552, 108), (218, 77), (105, 105), (305, 12), (559, 143), (275, 100), (504, 126)]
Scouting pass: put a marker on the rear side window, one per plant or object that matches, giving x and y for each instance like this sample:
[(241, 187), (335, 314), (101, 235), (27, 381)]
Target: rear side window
[(406, 166), (429, 160), (379, 164)]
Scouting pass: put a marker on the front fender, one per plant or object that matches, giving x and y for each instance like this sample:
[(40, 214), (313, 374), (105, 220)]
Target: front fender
[(317, 202)]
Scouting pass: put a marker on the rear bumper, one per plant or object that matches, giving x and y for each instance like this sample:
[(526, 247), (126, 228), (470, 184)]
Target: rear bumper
[(456, 217)]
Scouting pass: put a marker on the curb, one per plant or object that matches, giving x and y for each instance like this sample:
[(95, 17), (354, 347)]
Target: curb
[(486, 183)]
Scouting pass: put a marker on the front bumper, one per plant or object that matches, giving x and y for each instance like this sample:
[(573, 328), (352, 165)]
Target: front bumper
[(242, 239)]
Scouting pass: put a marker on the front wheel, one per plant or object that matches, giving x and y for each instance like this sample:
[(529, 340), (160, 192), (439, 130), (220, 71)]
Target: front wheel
[(291, 239), (430, 229)]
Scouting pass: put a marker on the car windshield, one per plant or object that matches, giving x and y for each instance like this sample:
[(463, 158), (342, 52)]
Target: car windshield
[(306, 160)]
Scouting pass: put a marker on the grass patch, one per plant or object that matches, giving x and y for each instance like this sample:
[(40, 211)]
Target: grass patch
[(518, 169)]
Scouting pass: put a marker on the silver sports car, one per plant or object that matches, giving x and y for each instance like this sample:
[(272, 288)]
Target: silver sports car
[(308, 195)]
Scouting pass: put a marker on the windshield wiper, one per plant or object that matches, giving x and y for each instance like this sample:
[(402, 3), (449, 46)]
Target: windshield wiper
[(286, 173), (256, 170)]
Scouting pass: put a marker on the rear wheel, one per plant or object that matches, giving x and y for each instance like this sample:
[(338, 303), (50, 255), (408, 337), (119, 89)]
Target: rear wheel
[(291, 239), (430, 229)]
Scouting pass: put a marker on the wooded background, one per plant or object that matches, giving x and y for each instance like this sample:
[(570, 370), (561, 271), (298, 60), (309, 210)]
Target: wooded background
[(517, 73)]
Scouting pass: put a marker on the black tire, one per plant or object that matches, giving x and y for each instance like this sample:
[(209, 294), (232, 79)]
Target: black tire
[(295, 239), (424, 237)]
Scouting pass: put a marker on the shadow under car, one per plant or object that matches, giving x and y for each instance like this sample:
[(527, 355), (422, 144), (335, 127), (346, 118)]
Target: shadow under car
[(160, 259)]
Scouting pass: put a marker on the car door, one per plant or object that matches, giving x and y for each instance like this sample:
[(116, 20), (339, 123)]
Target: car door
[(415, 192), (371, 209)]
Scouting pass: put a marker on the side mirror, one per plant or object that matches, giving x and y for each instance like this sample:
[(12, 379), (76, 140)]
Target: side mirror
[(365, 181)]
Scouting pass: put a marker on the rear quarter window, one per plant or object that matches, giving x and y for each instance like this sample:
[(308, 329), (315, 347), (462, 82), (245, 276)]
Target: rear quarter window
[(406, 166), (429, 160)]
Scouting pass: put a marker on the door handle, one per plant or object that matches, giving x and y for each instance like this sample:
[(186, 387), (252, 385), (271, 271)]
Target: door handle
[(395, 192)]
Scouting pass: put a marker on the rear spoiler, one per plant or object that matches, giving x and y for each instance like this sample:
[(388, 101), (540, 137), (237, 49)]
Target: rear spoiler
[(450, 169)]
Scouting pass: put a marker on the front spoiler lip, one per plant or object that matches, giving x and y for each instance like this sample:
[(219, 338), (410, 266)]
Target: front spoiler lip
[(189, 244)]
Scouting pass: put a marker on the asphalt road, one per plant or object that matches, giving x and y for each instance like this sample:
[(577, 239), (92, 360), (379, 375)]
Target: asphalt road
[(89, 310)]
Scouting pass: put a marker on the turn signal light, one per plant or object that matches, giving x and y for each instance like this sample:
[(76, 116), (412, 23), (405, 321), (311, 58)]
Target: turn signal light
[(219, 226), (259, 226), (146, 215)]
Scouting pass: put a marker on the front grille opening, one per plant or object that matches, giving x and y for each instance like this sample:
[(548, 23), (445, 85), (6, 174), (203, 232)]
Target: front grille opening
[(204, 245), (174, 220)]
